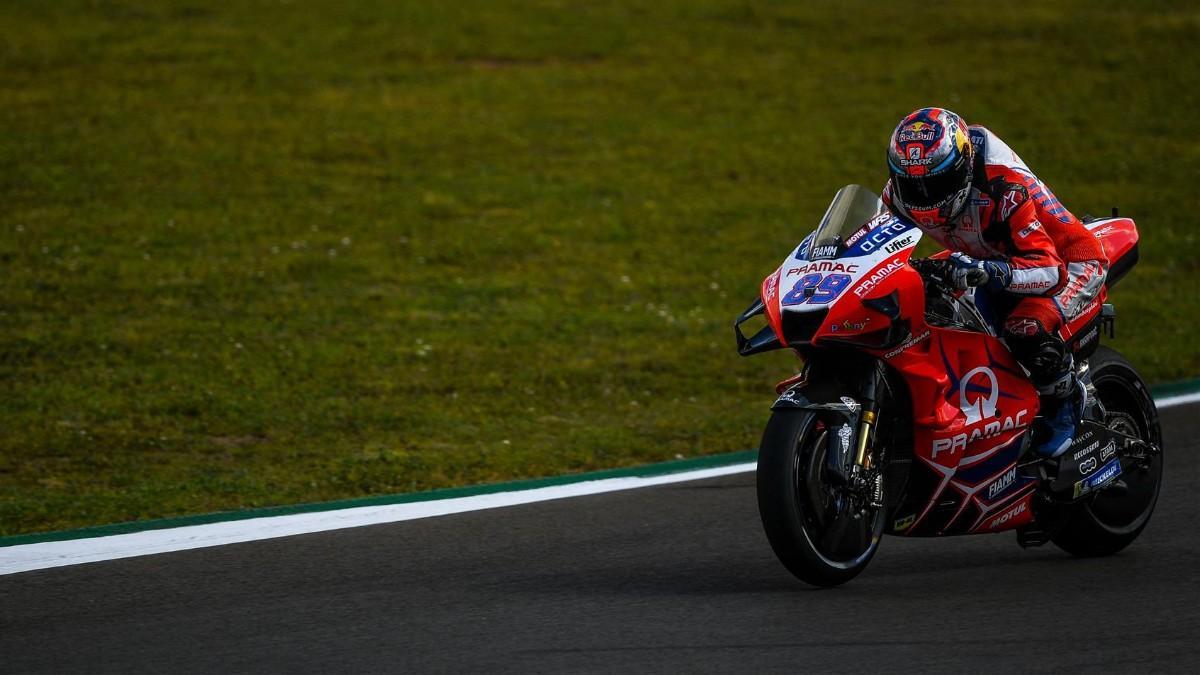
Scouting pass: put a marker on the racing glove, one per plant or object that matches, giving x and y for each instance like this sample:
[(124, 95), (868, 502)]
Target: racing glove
[(965, 272)]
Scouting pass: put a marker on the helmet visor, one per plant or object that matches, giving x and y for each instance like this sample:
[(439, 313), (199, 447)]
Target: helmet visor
[(924, 193)]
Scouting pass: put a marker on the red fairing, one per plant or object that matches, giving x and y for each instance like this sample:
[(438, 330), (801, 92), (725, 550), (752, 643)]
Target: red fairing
[(1017, 514), (1118, 236), (770, 298), (972, 406)]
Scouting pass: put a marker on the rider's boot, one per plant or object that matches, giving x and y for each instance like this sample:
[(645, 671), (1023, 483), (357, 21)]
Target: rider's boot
[(1062, 405)]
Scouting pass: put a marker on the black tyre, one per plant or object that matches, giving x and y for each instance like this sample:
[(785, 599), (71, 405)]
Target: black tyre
[(1112, 519), (816, 540)]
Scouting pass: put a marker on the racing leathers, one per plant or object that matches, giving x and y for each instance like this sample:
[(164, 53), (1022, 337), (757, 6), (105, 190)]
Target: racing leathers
[(1045, 269)]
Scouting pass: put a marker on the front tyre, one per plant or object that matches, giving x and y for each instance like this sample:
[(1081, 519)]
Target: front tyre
[(810, 523), (1112, 519)]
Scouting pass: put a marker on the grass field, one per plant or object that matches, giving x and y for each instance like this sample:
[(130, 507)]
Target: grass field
[(257, 253)]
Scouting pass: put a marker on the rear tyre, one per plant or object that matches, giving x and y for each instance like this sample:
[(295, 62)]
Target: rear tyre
[(804, 516), (1112, 519)]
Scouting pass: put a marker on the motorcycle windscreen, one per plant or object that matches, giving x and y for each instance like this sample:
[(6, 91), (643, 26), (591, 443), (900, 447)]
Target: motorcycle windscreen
[(850, 209)]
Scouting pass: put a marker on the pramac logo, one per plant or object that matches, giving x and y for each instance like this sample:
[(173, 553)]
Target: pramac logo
[(978, 408), (978, 392)]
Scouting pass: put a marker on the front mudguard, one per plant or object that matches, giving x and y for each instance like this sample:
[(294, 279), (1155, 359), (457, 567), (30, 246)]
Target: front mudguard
[(841, 413)]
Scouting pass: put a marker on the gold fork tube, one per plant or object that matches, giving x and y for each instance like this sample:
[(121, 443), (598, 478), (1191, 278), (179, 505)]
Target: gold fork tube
[(864, 434)]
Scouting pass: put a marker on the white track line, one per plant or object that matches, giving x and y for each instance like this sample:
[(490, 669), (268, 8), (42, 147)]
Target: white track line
[(1181, 399), (28, 557)]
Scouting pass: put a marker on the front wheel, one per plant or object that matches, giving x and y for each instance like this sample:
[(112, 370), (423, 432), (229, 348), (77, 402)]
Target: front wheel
[(814, 527), (1112, 519)]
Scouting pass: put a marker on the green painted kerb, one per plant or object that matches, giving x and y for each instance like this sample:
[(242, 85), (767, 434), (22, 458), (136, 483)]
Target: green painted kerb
[(659, 469), (1176, 388)]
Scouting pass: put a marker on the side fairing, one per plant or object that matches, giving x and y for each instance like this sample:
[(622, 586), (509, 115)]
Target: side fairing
[(1118, 236), (972, 408)]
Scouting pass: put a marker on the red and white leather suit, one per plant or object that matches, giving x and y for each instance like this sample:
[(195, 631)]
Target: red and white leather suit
[(1058, 267)]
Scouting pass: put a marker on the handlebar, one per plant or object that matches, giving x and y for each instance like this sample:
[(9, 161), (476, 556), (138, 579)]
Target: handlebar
[(925, 266)]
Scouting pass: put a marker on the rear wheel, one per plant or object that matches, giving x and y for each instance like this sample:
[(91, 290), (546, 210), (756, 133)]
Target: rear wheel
[(815, 528), (1112, 519)]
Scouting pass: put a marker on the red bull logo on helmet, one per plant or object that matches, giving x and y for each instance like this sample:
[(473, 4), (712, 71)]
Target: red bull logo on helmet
[(920, 132)]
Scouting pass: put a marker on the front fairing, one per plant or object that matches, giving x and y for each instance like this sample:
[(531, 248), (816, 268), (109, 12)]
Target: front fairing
[(844, 282)]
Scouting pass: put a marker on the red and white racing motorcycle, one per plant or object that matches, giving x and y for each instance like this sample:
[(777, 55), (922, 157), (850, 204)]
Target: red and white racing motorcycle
[(912, 418)]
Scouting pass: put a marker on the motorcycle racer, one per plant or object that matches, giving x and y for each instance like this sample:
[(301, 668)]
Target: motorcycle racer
[(968, 190)]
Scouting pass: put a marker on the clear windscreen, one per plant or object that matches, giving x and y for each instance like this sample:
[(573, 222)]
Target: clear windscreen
[(852, 206)]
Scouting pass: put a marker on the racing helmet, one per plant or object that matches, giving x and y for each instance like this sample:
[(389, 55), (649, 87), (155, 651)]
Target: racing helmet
[(931, 159)]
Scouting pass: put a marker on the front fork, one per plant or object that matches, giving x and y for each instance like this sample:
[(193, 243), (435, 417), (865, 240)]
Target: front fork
[(851, 459), (866, 476)]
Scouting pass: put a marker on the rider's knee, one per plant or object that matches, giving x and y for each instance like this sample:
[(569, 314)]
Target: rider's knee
[(1041, 352)]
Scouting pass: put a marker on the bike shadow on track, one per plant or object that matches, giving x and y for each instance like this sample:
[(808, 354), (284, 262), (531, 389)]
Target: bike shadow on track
[(902, 567)]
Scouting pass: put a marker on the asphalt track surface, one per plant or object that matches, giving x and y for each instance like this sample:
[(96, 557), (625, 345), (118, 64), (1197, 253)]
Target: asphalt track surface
[(670, 578)]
